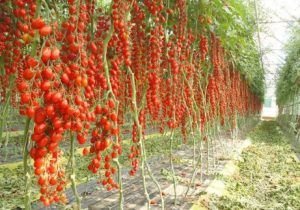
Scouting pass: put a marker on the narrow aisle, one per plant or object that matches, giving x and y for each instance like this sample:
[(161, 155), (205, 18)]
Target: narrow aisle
[(268, 176)]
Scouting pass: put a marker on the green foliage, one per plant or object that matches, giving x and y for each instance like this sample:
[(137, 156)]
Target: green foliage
[(289, 76), (268, 176), (234, 23)]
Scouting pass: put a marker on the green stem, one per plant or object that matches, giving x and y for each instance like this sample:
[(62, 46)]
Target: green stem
[(110, 91), (27, 198), (207, 153), (140, 140), (143, 149), (156, 183), (199, 160), (4, 114), (144, 182), (73, 171), (121, 196), (172, 167), (213, 145), (6, 141)]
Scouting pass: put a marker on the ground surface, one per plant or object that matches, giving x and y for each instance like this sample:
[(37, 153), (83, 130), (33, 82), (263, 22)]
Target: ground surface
[(268, 176), (95, 197)]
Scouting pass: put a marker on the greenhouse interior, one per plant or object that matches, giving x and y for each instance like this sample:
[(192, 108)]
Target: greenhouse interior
[(150, 104)]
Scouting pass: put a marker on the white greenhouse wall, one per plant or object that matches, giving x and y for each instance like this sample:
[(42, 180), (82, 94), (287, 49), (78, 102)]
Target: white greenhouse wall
[(270, 108)]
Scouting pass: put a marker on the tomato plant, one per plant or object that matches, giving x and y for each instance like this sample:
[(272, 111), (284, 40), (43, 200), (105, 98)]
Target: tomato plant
[(83, 71)]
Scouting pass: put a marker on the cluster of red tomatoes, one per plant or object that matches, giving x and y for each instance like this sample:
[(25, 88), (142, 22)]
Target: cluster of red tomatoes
[(72, 69)]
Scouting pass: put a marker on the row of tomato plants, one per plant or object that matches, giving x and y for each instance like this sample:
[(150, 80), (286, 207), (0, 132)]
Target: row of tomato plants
[(74, 69), (287, 86)]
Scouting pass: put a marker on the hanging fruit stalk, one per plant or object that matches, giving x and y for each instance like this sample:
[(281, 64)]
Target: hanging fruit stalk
[(26, 166), (5, 107), (73, 172)]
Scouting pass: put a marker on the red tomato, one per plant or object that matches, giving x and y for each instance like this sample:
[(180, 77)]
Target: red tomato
[(52, 181), (57, 97), (49, 110), (45, 30), (113, 117), (22, 86), (42, 142), (65, 78), (81, 139), (54, 54), (46, 53), (45, 86), (42, 181), (36, 137), (59, 188), (43, 190), (107, 126), (39, 116), (56, 137), (84, 82), (107, 173), (113, 170), (38, 171), (31, 62), (47, 73), (52, 146), (37, 23), (95, 161), (85, 151), (25, 98), (107, 158), (41, 152), (40, 128), (114, 155), (107, 165), (114, 131), (111, 103), (38, 163), (30, 112), (28, 74)]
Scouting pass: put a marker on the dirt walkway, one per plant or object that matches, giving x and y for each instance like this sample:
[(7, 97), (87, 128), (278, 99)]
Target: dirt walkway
[(94, 197)]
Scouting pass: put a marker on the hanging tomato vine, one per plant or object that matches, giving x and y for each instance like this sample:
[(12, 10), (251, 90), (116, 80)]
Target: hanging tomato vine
[(288, 82)]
